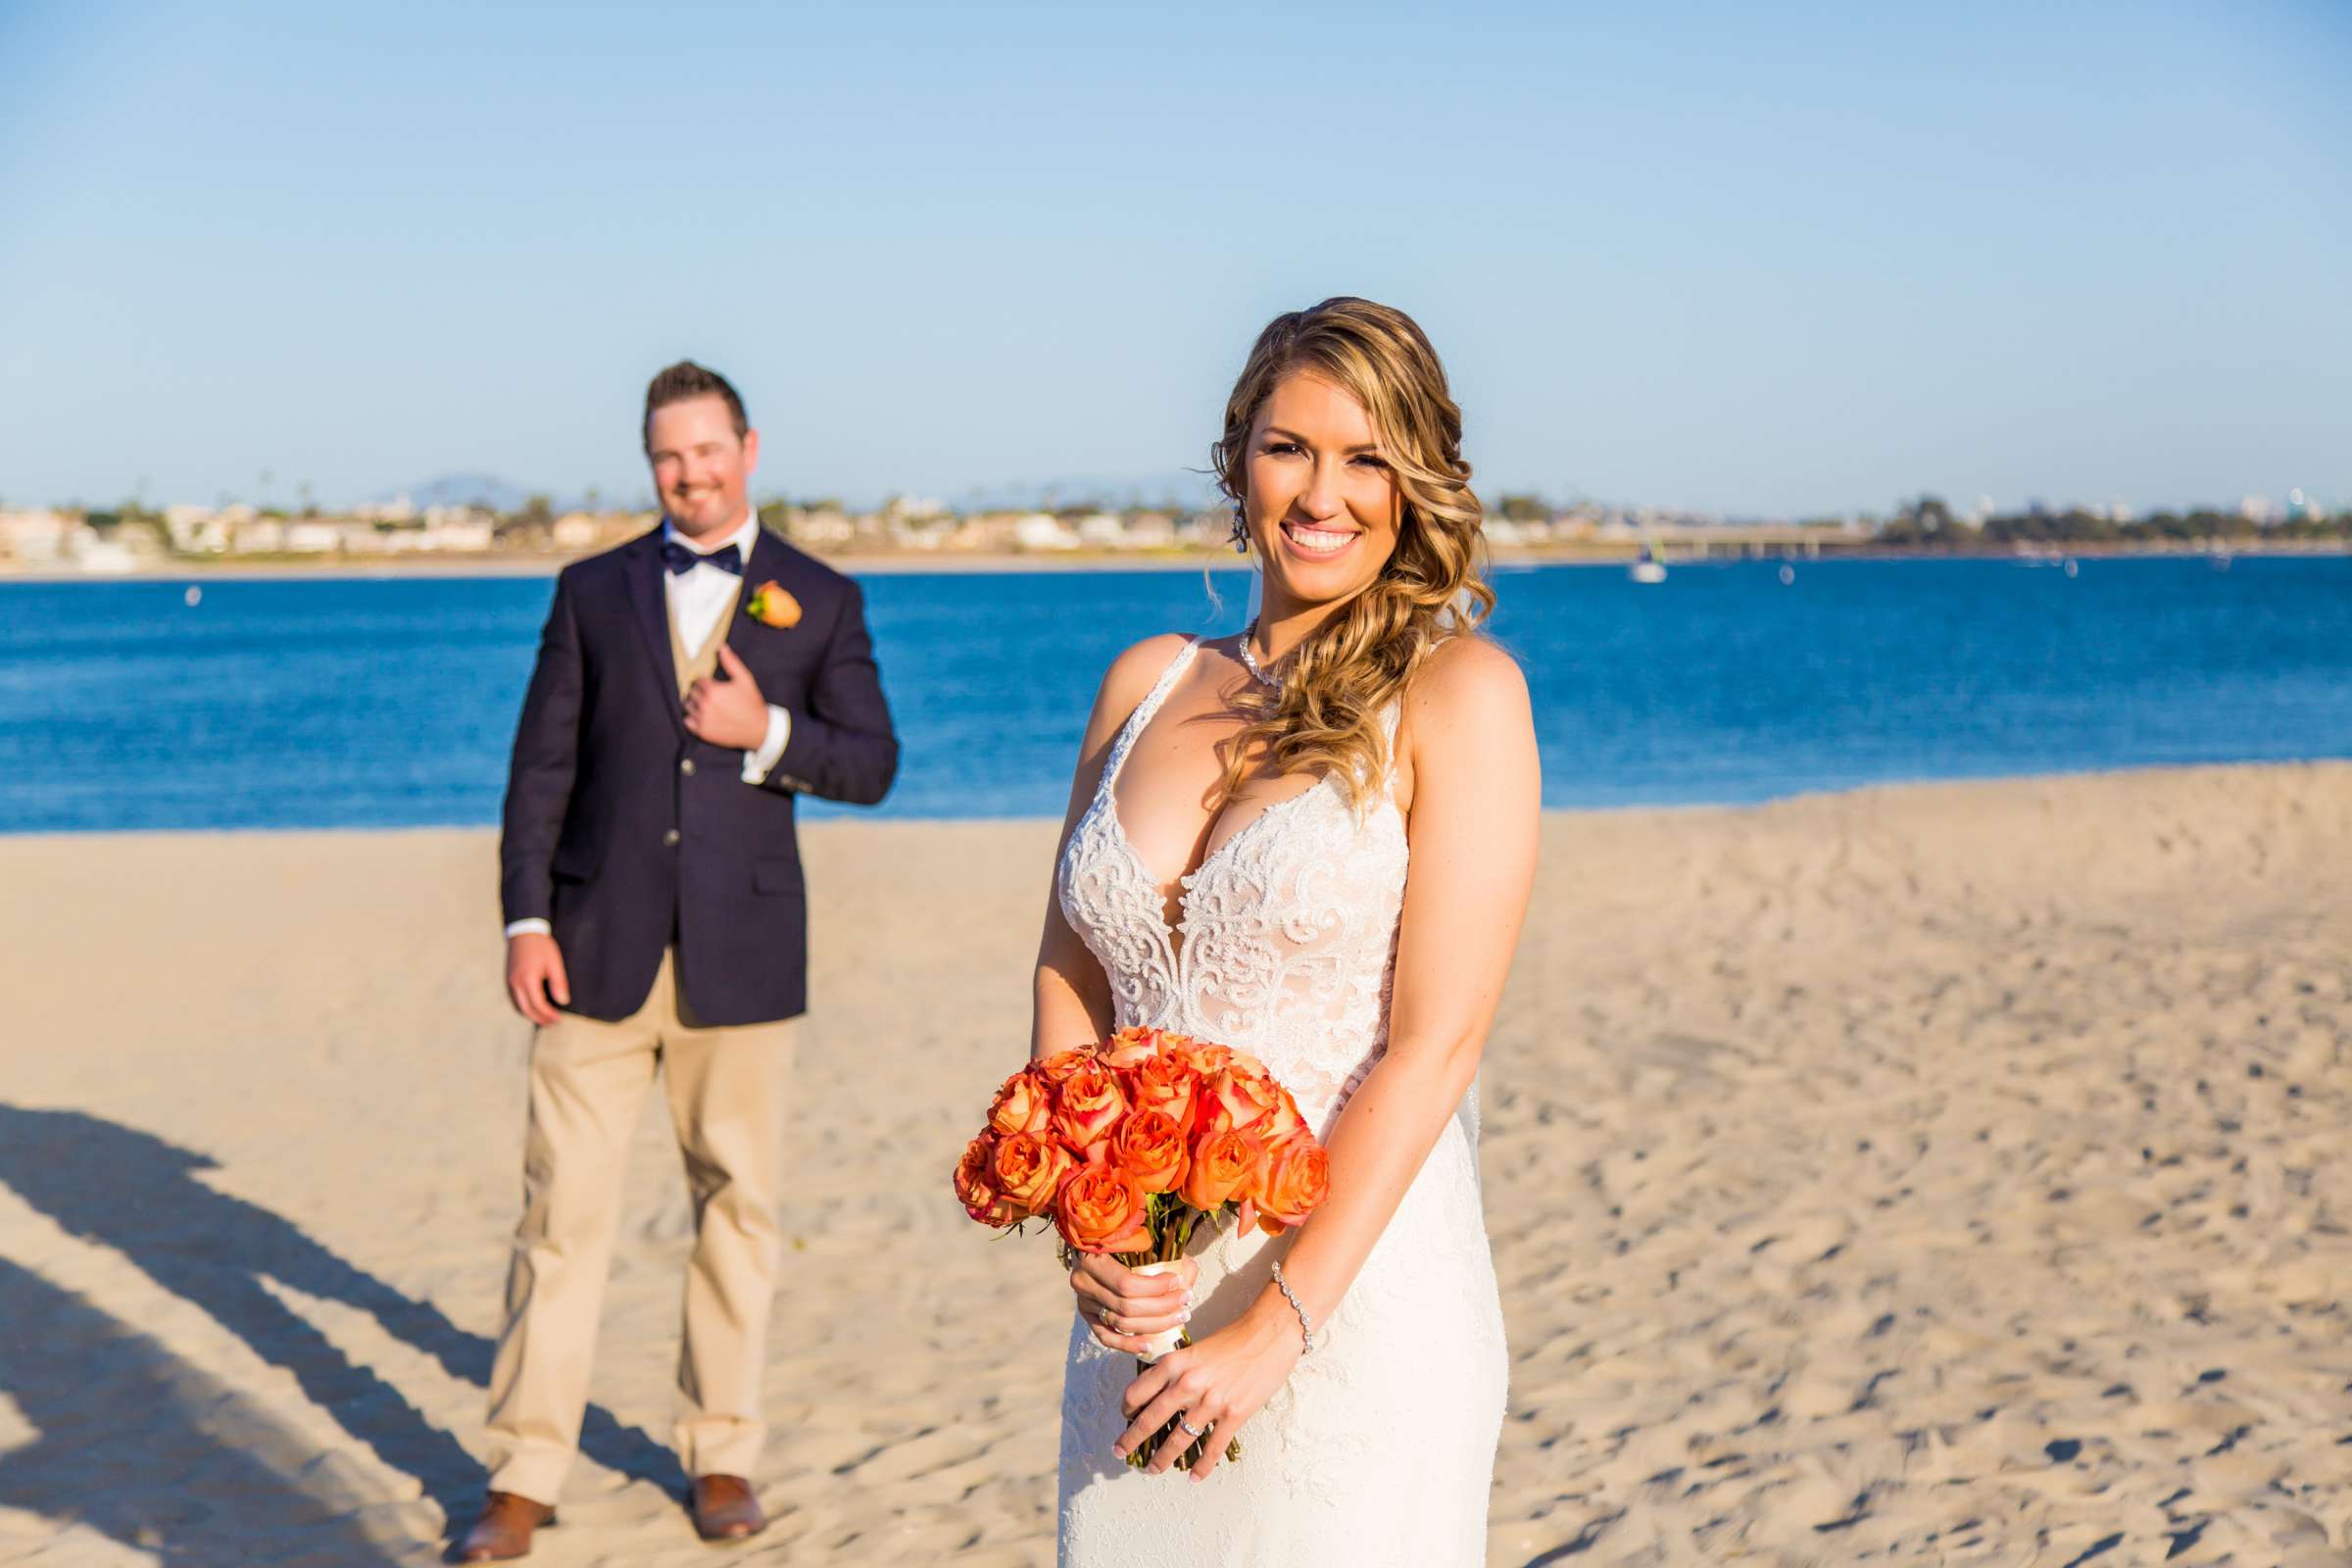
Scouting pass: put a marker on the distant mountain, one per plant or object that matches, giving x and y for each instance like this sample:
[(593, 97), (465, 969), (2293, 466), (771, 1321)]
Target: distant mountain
[(1179, 489), (1187, 490), (464, 490), (498, 495)]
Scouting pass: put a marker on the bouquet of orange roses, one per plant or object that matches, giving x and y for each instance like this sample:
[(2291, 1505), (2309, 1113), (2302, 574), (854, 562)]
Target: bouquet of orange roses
[(1128, 1146)]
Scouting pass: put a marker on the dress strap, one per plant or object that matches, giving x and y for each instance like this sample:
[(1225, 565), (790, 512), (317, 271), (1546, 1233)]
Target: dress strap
[(1143, 712)]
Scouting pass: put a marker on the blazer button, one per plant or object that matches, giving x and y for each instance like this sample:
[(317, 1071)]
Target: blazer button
[(686, 767), (670, 837)]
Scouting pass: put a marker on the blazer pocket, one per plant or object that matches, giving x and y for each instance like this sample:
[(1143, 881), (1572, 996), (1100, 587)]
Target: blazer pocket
[(778, 873), (575, 862)]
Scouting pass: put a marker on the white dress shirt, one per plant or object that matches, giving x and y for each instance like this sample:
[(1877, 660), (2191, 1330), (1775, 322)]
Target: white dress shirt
[(696, 600)]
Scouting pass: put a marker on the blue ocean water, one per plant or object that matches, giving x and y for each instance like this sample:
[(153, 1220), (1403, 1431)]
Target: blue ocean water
[(279, 704)]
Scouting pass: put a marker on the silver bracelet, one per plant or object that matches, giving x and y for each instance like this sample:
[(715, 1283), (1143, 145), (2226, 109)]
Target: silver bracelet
[(1307, 1325)]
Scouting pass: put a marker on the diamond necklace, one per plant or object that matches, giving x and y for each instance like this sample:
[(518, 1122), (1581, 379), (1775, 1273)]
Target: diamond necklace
[(1249, 660)]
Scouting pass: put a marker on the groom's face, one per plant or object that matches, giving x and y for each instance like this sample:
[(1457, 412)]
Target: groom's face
[(702, 469)]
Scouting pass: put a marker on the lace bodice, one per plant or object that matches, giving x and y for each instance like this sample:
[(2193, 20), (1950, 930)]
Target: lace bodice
[(1285, 943)]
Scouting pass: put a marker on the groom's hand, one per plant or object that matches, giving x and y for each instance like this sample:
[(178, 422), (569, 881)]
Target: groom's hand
[(535, 975), (728, 712)]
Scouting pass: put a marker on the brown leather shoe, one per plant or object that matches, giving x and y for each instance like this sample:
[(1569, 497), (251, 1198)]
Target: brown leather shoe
[(504, 1530), (725, 1509)]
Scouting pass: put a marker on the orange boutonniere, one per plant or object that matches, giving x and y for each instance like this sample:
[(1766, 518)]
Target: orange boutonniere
[(771, 606)]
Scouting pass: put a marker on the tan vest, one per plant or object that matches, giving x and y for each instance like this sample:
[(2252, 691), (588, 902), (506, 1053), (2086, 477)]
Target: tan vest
[(700, 664)]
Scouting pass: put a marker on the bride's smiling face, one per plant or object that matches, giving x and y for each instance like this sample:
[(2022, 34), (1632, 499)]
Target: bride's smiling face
[(1322, 504)]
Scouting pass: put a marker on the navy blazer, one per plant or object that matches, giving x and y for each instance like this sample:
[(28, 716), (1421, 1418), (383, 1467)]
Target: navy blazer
[(628, 835)]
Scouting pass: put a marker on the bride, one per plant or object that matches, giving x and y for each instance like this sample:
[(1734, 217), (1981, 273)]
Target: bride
[(1234, 866)]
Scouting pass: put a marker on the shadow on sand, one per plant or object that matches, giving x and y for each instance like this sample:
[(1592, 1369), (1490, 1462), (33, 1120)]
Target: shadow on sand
[(140, 1196), (156, 1455)]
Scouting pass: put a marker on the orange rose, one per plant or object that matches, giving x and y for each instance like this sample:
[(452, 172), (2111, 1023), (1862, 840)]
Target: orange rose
[(1237, 1098), (1149, 1147), (1283, 1120), (1024, 1105), (976, 1189), (1028, 1170), (1166, 1084), (1087, 1106), (1059, 1066), (771, 606), (1290, 1182), (1202, 1058), (1130, 1048), (1220, 1169), (1100, 1210)]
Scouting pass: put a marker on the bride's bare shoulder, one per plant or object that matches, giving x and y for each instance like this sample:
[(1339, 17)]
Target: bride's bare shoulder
[(1127, 683), (1468, 695), (1138, 668), (1472, 674)]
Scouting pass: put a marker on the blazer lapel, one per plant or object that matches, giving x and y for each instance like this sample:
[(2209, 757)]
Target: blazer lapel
[(766, 564), (651, 605)]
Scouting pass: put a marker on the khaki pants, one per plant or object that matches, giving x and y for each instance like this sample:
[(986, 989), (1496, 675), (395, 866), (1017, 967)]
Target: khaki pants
[(726, 1100)]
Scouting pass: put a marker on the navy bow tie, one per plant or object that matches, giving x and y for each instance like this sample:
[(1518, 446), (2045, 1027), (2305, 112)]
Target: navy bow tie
[(681, 560)]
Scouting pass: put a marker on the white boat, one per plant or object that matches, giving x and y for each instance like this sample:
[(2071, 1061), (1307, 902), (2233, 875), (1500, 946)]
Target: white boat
[(1647, 567)]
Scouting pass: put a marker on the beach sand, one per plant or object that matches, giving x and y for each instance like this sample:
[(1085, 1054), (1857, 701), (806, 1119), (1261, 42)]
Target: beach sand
[(1937, 1174)]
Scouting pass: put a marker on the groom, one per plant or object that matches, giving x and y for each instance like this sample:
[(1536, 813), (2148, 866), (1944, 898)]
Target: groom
[(689, 685)]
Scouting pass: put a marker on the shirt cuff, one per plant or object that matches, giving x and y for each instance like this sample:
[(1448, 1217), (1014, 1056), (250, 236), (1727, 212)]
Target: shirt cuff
[(515, 928), (757, 765)]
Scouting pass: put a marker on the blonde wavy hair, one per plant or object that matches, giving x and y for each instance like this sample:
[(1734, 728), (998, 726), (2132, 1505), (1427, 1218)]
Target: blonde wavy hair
[(1326, 715)]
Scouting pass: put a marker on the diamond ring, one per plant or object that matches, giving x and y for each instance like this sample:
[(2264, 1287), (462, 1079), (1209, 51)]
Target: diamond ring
[(1197, 1431)]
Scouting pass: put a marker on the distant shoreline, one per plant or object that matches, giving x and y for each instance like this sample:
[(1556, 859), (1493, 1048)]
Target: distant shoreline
[(1926, 788), (232, 570)]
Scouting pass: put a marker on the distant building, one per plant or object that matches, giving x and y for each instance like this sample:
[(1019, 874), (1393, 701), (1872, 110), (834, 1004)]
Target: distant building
[(818, 526), (37, 538), (398, 510), (196, 530), (922, 533), (437, 518), (576, 530), (1042, 530), (1206, 530), (94, 553), (912, 509), (256, 536), (470, 529), (1150, 530), (1103, 530)]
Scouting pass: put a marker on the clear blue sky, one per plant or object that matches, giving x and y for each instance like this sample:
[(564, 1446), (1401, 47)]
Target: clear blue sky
[(1764, 260)]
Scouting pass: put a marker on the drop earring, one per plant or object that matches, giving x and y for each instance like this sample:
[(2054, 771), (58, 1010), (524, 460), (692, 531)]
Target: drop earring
[(1241, 531)]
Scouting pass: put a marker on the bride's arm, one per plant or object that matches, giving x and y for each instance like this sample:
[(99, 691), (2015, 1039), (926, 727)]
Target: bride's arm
[(1073, 996), (1476, 809), (1073, 1009)]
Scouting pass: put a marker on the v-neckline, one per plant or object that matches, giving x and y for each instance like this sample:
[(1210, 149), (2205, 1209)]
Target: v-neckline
[(1180, 892), (1177, 893)]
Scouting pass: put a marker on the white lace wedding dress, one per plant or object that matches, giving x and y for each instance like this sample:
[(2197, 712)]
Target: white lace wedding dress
[(1380, 1448)]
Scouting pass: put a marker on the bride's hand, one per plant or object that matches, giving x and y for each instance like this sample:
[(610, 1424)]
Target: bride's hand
[(1219, 1382), (1121, 1307)]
